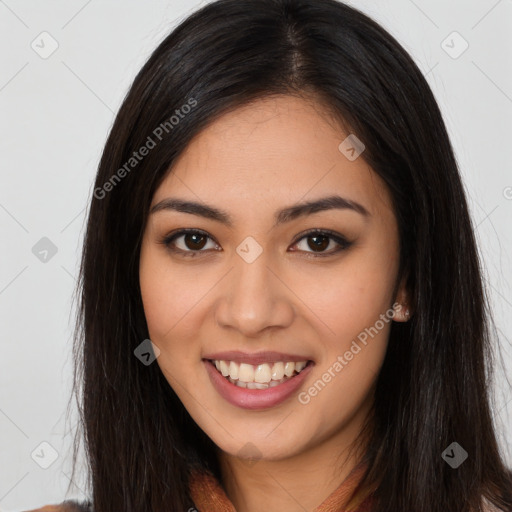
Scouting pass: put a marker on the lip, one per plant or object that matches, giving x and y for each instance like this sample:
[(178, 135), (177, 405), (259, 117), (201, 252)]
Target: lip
[(256, 357), (253, 399)]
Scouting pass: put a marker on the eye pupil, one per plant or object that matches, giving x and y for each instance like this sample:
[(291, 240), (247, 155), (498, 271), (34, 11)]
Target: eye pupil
[(195, 244), (195, 241), (319, 245)]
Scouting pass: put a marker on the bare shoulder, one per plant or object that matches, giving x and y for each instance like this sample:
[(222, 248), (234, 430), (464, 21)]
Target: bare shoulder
[(66, 506)]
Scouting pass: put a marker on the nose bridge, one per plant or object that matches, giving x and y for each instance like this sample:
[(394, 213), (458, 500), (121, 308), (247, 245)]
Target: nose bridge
[(254, 298)]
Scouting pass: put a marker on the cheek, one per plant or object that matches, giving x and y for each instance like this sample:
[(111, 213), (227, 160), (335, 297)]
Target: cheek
[(168, 295), (158, 305), (353, 296), (173, 301), (351, 362), (165, 317)]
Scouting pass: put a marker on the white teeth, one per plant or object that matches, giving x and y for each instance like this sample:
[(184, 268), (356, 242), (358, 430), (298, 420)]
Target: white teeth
[(289, 369), (257, 385), (278, 371), (300, 366), (246, 372), (233, 370), (224, 368), (264, 375)]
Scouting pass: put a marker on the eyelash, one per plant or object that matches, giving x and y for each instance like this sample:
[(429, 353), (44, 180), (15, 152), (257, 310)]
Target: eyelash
[(342, 241)]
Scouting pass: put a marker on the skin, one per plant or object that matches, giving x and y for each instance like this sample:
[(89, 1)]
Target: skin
[(251, 163)]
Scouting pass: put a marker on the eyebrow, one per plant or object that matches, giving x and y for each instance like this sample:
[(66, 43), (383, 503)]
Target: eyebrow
[(285, 215)]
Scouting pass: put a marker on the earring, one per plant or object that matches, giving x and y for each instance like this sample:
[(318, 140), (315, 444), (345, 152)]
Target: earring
[(403, 314)]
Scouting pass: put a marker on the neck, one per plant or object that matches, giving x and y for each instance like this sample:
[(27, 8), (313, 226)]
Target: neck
[(299, 482)]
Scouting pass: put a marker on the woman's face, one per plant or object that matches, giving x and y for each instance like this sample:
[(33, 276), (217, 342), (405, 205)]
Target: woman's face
[(253, 283)]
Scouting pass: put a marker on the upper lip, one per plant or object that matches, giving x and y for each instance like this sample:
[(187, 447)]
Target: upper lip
[(254, 358)]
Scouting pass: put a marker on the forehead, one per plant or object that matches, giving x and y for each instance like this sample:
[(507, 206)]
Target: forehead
[(273, 151)]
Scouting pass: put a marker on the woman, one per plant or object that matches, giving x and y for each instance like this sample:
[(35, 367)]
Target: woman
[(281, 301)]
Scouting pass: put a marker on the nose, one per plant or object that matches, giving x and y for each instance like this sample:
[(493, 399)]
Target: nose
[(254, 298)]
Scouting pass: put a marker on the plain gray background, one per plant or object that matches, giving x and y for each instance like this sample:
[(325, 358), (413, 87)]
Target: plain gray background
[(55, 114)]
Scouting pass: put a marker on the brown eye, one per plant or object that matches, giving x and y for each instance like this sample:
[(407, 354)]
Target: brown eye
[(194, 241), (319, 240), (187, 242), (191, 242)]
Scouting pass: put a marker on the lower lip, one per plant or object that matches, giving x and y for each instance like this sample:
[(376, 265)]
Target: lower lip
[(255, 398)]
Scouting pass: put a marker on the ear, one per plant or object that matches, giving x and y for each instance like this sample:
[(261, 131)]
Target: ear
[(402, 310)]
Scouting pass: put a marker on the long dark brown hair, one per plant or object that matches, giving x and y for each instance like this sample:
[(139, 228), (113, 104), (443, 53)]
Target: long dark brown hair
[(434, 385)]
